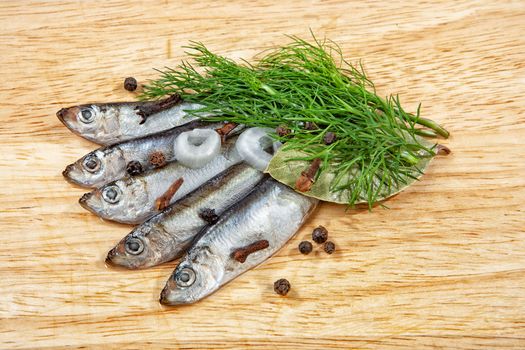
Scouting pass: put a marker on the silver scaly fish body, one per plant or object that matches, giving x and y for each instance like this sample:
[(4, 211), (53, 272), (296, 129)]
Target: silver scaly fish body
[(166, 236), (271, 214), (109, 163), (133, 199), (109, 123)]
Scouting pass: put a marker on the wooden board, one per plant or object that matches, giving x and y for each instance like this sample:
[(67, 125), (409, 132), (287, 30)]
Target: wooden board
[(444, 267)]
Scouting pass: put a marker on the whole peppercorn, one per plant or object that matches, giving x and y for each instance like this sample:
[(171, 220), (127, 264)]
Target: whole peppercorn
[(281, 286), (134, 167), (329, 138), (209, 215), (305, 247), (157, 159), (282, 130), (329, 247), (320, 234), (130, 84), (310, 126)]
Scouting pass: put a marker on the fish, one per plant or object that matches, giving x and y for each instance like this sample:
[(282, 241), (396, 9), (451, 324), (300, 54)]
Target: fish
[(109, 123), (167, 235), (246, 235), (133, 199), (110, 163)]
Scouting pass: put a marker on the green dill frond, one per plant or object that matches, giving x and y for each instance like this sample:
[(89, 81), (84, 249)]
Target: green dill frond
[(377, 140)]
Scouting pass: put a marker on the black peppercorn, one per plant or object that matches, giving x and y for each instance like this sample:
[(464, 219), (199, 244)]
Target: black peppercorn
[(320, 234), (305, 247), (282, 130), (329, 247), (281, 286), (310, 126), (329, 138), (209, 215), (134, 168), (130, 84)]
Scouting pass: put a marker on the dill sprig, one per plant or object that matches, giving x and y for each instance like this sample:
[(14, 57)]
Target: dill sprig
[(376, 139)]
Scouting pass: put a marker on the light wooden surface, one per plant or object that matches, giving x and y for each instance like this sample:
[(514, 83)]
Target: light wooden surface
[(444, 267)]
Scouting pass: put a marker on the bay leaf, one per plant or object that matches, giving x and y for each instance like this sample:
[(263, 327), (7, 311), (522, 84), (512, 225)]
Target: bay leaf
[(285, 170)]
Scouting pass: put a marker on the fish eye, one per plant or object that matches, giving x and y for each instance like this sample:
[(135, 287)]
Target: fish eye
[(91, 163), (86, 115), (185, 277), (111, 194), (134, 246)]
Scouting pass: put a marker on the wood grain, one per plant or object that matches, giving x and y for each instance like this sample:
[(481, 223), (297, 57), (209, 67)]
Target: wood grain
[(444, 267)]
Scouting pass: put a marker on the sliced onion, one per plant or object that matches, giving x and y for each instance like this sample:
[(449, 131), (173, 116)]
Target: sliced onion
[(197, 147), (252, 146)]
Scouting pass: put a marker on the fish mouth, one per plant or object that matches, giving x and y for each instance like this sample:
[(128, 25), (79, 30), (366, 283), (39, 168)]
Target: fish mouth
[(68, 115), (61, 114), (110, 258), (171, 295), (113, 261), (67, 174), (166, 300), (114, 258), (73, 175), (164, 297), (109, 262), (84, 202), (67, 171)]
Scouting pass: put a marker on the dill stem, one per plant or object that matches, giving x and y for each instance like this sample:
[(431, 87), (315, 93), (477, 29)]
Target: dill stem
[(430, 124), (426, 133), (409, 157)]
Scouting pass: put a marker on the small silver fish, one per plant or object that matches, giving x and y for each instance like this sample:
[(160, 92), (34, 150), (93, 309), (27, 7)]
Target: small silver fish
[(248, 234), (109, 123), (166, 236), (133, 199), (135, 156)]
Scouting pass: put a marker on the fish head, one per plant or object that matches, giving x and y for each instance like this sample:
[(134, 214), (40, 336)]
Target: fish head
[(197, 276), (122, 200), (89, 121), (97, 167), (141, 248)]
